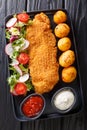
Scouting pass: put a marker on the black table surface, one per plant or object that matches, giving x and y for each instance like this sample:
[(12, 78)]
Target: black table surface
[(77, 10)]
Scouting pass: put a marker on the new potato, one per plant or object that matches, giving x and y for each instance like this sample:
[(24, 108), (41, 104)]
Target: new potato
[(69, 74), (62, 30), (64, 44), (59, 17), (67, 58)]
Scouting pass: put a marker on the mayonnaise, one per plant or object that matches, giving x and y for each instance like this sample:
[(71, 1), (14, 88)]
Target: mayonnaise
[(64, 99)]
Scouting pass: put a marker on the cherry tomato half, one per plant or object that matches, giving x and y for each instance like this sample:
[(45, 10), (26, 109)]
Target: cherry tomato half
[(20, 88), (23, 17), (23, 58)]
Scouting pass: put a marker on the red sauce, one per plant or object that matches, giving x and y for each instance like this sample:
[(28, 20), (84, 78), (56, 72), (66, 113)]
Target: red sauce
[(33, 106)]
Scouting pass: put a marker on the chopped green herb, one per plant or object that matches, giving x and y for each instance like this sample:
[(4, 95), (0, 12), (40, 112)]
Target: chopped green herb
[(15, 54), (18, 44), (24, 69), (30, 22), (14, 71), (20, 24), (12, 80), (8, 35), (29, 85), (23, 32), (14, 15)]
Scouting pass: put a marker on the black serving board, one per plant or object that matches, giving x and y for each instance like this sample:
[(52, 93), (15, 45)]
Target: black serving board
[(49, 111)]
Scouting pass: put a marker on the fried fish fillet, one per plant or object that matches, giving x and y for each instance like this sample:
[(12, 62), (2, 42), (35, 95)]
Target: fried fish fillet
[(42, 52)]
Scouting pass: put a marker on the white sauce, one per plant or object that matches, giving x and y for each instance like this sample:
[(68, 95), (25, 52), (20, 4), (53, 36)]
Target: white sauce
[(64, 99)]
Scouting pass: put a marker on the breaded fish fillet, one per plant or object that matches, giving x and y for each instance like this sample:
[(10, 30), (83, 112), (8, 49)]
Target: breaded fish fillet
[(42, 52)]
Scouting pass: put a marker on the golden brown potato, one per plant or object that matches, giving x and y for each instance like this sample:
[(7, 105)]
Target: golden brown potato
[(69, 74), (67, 58), (64, 44), (59, 17), (62, 30)]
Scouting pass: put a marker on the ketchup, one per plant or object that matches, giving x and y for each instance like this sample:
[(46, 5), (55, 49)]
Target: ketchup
[(32, 106)]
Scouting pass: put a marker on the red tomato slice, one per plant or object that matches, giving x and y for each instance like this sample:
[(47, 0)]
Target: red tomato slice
[(23, 58), (20, 88), (23, 17)]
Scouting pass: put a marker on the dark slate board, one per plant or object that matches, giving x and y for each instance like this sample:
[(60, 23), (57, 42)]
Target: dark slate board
[(77, 10)]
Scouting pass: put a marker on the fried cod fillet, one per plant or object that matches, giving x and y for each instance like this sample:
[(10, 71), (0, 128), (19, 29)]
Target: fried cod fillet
[(43, 65)]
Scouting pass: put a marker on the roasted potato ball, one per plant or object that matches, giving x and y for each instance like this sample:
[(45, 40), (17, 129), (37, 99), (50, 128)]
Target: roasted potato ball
[(59, 17), (62, 30), (69, 74), (64, 44), (67, 58)]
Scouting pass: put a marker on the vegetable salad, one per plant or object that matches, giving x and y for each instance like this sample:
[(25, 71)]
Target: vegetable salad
[(17, 50)]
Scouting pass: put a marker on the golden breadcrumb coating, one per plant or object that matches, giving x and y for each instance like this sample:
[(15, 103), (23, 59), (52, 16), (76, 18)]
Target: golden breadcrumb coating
[(43, 63)]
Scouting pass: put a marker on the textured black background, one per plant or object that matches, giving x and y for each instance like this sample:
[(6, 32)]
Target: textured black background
[(78, 13)]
